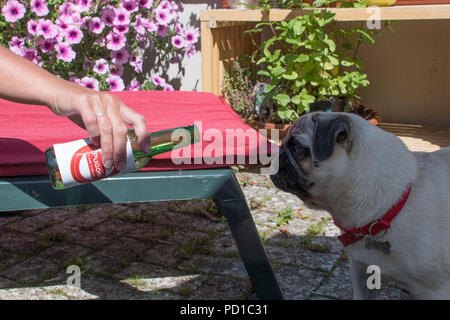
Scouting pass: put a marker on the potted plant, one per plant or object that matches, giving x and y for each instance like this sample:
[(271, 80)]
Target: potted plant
[(243, 92), (310, 66)]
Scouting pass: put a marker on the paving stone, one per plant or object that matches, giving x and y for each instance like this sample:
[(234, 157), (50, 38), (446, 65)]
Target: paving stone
[(161, 254), (297, 283), (302, 257), (45, 265), (204, 287), (6, 283), (115, 257), (21, 244), (8, 259), (338, 284), (215, 265), (119, 290), (115, 227), (88, 238), (42, 220), (94, 216)]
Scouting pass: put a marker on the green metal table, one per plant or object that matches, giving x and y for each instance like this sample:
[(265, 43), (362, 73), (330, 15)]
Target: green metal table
[(35, 192)]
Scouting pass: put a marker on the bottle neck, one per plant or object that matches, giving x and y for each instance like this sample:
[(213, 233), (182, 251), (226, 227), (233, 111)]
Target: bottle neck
[(167, 140)]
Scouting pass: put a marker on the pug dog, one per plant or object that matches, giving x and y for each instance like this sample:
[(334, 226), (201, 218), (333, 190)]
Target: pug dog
[(341, 163)]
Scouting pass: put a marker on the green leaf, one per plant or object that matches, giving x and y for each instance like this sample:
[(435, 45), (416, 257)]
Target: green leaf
[(299, 28), (330, 44), (347, 62), (292, 75), (302, 58), (333, 60), (268, 88), (263, 73), (278, 71), (282, 99), (296, 99), (368, 38)]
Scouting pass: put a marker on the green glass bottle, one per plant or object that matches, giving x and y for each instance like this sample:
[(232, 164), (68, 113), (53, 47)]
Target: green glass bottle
[(77, 162)]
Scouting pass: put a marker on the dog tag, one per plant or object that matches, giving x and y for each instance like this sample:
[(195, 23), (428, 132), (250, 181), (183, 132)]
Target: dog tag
[(383, 246)]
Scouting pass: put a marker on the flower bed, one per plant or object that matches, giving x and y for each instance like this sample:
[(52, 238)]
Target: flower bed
[(96, 43)]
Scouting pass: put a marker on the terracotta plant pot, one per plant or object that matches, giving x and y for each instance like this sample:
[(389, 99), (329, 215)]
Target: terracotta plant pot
[(257, 125)]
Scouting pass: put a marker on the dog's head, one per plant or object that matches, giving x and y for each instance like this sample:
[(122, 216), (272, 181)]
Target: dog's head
[(316, 154)]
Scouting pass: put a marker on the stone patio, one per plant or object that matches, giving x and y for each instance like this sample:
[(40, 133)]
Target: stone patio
[(171, 250)]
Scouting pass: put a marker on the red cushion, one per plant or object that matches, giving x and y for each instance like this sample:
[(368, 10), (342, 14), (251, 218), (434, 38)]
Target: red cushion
[(26, 131)]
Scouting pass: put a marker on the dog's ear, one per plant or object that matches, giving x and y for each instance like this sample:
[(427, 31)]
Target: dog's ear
[(329, 130)]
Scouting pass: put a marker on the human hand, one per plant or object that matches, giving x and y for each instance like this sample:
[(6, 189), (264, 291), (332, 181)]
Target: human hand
[(104, 116)]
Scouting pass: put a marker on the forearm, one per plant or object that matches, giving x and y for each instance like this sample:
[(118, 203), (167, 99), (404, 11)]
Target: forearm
[(22, 81)]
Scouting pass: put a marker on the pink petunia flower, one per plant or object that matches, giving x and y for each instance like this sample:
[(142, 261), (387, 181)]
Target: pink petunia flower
[(90, 83), (83, 5), (122, 28), (134, 85), (150, 25), (122, 17), (75, 80), (45, 45), (47, 29), (116, 69), (64, 52), (179, 29), (73, 35), (147, 4), (163, 16), (108, 15), (167, 87), (62, 23), (191, 51), (96, 25), (115, 83), (162, 30), (129, 5), (32, 55), (39, 7), (66, 10), (139, 24), (178, 42), (13, 11), (17, 45), (101, 66), (137, 62), (191, 36), (120, 56), (158, 81), (32, 27), (164, 5), (115, 41)]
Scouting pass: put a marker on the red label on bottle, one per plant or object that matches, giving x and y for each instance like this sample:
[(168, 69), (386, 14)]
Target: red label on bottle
[(94, 160)]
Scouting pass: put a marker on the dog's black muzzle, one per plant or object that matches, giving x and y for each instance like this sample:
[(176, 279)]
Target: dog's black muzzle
[(290, 176)]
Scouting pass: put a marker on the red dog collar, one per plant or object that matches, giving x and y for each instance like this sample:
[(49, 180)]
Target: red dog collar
[(352, 235)]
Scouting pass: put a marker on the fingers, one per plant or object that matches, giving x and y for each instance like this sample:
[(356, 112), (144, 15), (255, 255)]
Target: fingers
[(140, 126), (105, 117), (90, 124), (119, 139)]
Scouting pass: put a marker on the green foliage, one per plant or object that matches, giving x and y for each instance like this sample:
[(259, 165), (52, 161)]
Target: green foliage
[(239, 89), (284, 216), (302, 62)]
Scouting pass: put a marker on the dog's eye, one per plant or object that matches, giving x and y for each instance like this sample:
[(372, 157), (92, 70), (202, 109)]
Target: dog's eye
[(299, 151)]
